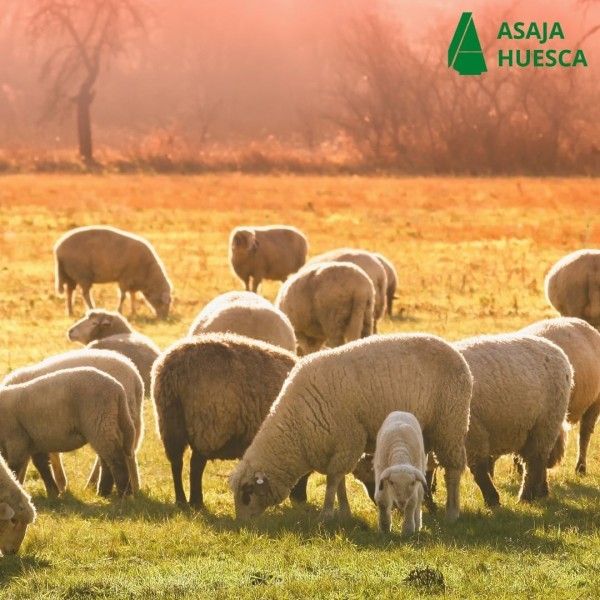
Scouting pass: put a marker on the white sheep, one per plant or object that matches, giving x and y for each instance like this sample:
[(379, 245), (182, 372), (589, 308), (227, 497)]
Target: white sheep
[(520, 396), (106, 330), (100, 254), (116, 365), (327, 302), (581, 343), (370, 264), (16, 511), (573, 286), (248, 314), (332, 406), (63, 411), (399, 465), (212, 392), (271, 252)]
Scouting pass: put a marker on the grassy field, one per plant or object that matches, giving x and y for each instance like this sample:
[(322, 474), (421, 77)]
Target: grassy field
[(471, 255)]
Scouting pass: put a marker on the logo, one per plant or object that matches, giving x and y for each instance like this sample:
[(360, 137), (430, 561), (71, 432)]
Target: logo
[(465, 54)]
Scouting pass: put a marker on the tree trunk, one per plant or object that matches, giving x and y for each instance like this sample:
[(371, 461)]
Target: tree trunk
[(84, 124)]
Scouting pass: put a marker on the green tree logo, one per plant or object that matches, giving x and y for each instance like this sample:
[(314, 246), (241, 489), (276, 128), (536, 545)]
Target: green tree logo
[(465, 54)]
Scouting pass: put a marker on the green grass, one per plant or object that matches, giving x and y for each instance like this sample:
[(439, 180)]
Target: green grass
[(471, 256)]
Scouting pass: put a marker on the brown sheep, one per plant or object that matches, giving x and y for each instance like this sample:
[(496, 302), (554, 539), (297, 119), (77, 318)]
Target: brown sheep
[(273, 252), (99, 254), (212, 392), (105, 330)]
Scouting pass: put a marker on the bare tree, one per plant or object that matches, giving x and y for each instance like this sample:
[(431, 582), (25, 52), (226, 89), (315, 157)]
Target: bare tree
[(85, 35)]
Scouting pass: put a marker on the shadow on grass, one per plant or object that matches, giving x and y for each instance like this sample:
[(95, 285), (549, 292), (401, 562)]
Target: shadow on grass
[(12, 567)]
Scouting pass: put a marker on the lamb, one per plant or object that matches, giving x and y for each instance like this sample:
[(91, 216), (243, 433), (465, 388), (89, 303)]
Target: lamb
[(581, 343), (116, 365), (105, 330), (212, 393), (521, 392), (16, 511), (273, 252), (64, 410), (399, 465), (246, 313), (98, 254), (327, 302), (332, 406), (370, 265), (573, 286), (392, 281)]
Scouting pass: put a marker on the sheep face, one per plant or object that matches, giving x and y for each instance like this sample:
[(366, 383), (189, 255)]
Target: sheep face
[(89, 328), (243, 242), (160, 301), (399, 484), (12, 529), (252, 494)]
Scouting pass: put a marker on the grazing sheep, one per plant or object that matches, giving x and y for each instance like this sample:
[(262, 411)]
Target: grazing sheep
[(105, 330), (273, 252), (16, 511), (89, 255), (332, 406), (399, 465), (64, 410), (521, 392), (392, 281), (370, 265), (116, 365), (327, 302), (246, 313), (212, 393), (573, 286), (581, 343)]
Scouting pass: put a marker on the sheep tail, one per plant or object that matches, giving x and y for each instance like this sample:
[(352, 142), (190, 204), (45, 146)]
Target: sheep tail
[(60, 277), (126, 425), (558, 451), (169, 410)]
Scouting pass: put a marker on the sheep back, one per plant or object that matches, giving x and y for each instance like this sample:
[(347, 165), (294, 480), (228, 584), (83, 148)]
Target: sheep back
[(573, 286), (247, 314), (213, 391)]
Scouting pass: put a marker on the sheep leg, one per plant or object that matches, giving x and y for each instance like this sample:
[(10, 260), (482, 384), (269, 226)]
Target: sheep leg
[(452, 477), (133, 305), (69, 298), (85, 292), (197, 466), (384, 505), (22, 473), (535, 483), (176, 471), (482, 477), (586, 428), (247, 283), (331, 489), (105, 485), (134, 474), (298, 493), (256, 281), (344, 510), (59, 471), (41, 462), (95, 473), (408, 524), (122, 294)]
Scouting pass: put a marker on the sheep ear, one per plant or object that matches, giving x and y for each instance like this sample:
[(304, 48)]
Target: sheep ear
[(6, 512), (385, 476), (420, 477)]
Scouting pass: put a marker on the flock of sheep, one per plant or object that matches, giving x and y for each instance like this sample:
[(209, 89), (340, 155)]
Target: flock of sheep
[(254, 381)]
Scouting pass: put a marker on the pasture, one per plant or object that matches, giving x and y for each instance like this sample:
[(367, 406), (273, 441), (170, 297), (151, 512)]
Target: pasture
[(471, 256)]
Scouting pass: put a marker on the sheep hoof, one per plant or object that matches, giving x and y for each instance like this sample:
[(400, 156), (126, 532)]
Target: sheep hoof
[(580, 469), (197, 505)]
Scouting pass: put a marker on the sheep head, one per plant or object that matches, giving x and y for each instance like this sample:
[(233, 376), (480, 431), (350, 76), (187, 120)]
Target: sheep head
[(12, 529), (401, 482)]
